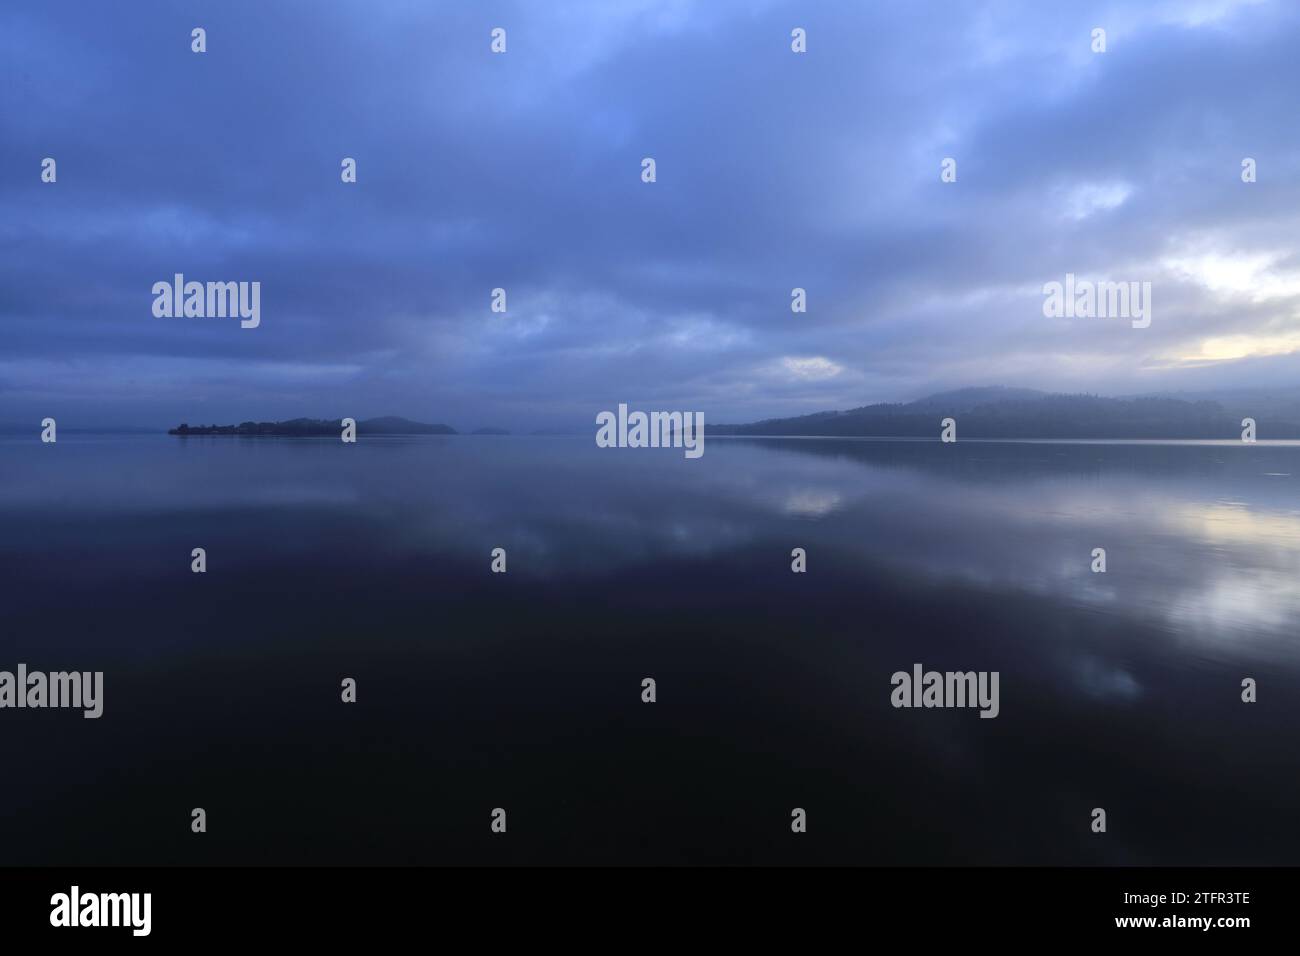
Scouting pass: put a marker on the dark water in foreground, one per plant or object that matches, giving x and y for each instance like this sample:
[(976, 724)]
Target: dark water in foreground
[(479, 690)]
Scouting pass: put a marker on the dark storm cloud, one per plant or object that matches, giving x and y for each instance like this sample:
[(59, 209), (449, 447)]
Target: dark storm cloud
[(522, 171)]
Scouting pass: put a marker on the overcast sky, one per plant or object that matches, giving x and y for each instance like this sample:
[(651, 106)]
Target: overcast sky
[(523, 171)]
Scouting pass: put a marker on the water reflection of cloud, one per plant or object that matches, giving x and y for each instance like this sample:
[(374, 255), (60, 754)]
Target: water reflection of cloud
[(1207, 550), (1235, 522), (812, 502), (1235, 601), (1105, 681)]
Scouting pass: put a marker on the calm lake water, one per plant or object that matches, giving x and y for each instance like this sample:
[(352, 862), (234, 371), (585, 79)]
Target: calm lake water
[(523, 690)]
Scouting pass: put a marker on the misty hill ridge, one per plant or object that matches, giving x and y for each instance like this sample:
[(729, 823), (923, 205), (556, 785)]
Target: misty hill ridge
[(1025, 413), (304, 427)]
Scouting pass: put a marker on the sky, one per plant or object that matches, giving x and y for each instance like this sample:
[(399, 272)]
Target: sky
[(523, 171)]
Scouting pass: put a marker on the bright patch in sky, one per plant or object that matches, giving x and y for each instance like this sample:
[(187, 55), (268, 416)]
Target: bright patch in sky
[(811, 369), (1090, 198), (1249, 274)]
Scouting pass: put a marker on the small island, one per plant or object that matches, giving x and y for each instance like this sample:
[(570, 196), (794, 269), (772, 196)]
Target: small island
[(313, 427)]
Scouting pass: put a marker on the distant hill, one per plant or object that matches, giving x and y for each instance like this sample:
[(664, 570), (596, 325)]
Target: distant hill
[(1024, 413), (307, 427), (964, 399)]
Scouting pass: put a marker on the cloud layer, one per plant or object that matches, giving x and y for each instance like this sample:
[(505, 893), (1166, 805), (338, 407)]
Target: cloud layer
[(522, 171)]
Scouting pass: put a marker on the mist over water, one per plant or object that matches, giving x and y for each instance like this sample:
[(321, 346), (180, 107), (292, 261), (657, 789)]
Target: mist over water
[(477, 690)]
